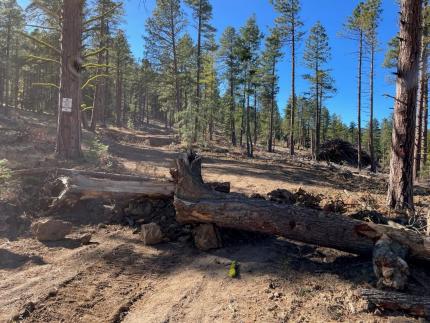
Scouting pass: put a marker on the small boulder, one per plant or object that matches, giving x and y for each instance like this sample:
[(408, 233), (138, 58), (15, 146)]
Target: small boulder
[(85, 239), (206, 237), (51, 230), (151, 234)]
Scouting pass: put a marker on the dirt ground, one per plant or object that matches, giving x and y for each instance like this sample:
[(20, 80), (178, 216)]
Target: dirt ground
[(117, 279)]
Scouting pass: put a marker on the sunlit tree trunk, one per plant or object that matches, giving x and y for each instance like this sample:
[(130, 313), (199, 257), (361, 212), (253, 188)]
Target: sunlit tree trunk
[(360, 67), (272, 109), (421, 106), (371, 134), (400, 189), (293, 85)]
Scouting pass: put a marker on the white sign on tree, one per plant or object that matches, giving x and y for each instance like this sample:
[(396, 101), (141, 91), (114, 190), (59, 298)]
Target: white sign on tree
[(66, 105)]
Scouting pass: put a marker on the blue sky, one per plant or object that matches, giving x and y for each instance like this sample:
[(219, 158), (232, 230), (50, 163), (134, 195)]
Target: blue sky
[(331, 13)]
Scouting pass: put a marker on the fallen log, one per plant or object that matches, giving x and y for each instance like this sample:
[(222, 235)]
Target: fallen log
[(67, 190), (70, 189), (73, 172), (195, 202), (387, 300)]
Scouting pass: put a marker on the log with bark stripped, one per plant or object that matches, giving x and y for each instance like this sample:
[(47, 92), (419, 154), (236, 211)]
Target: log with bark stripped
[(77, 185), (70, 189), (195, 202)]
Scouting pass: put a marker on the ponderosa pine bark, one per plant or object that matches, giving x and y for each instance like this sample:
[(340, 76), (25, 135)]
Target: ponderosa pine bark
[(400, 189), (69, 112)]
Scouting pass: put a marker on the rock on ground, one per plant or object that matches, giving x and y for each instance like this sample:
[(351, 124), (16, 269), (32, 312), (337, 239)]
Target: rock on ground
[(206, 237), (151, 234), (51, 230)]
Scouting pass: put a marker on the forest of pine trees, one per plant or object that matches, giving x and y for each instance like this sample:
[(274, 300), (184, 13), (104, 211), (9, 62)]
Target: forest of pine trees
[(200, 85)]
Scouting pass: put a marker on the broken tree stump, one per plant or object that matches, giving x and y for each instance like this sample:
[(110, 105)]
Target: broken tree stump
[(196, 202), (387, 300)]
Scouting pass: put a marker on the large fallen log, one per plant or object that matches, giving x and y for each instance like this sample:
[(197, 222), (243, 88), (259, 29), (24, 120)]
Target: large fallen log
[(415, 305), (195, 202), (74, 172), (70, 189), (84, 185)]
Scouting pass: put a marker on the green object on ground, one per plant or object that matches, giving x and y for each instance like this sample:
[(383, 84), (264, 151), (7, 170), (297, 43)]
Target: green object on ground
[(233, 270)]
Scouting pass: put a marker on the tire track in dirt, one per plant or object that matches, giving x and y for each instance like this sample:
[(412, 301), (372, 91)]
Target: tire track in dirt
[(91, 284)]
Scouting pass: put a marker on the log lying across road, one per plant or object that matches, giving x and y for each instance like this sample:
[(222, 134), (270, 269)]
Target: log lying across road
[(195, 202)]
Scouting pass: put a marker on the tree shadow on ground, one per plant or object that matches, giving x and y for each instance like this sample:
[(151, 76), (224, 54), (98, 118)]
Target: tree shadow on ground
[(66, 243), (10, 260)]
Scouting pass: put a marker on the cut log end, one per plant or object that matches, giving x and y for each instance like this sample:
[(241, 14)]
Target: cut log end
[(389, 263)]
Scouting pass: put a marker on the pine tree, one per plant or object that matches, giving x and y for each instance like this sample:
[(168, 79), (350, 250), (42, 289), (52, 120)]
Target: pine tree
[(270, 58), (122, 58), (289, 24), (356, 26), (202, 13), (106, 14), (229, 56), (164, 28), (11, 23), (250, 38), (372, 16), (317, 54)]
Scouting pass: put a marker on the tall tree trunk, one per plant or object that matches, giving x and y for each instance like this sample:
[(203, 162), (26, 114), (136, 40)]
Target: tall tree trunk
[(272, 109), (2, 78), (420, 108), (118, 105), (360, 68), (316, 145), (255, 116), (371, 134), (293, 85), (99, 93), (106, 93), (17, 75), (248, 127), (7, 59), (175, 60), (199, 50), (232, 109), (425, 126), (400, 189), (243, 121), (69, 112)]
